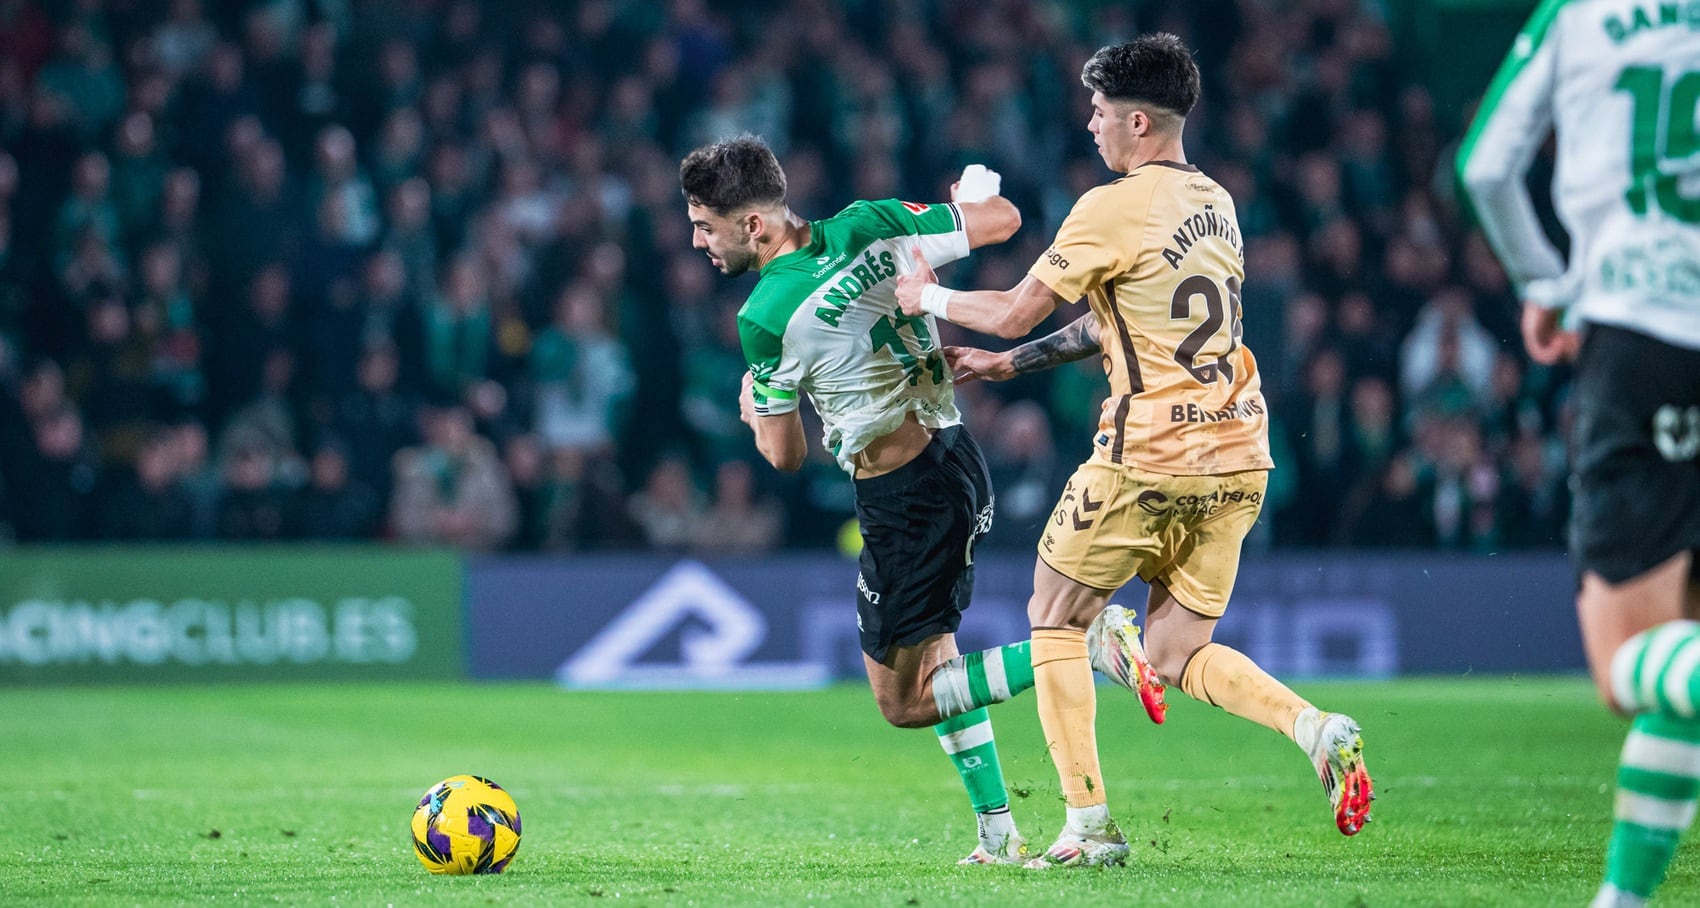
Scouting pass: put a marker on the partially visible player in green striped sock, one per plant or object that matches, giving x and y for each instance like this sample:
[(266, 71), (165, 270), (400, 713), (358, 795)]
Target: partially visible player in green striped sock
[(1658, 783), (1620, 114), (1655, 674)]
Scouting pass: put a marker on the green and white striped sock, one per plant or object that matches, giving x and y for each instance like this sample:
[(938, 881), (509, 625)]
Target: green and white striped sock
[(1658, 671), (980, 679), (1658, 785), (968, 740)]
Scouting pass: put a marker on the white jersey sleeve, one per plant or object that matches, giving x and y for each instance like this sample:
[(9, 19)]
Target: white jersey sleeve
[(1510, 126)]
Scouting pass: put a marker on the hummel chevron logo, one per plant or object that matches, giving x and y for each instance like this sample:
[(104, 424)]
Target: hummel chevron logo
[(1087, 505)]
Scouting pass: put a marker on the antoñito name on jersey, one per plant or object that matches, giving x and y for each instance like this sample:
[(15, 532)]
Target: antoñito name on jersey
[(1201, 224)]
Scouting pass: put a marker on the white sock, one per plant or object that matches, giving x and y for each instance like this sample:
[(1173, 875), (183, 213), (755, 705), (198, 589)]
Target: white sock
[(1612, 897), (1092, 820), (1307, 728), (997, 827)]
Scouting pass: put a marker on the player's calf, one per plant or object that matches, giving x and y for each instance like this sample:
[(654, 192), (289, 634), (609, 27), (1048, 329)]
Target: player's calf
[(1658, 671), (973, 680)]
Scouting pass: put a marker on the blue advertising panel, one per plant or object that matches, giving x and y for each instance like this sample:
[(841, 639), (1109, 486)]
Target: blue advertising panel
[(791, 622)]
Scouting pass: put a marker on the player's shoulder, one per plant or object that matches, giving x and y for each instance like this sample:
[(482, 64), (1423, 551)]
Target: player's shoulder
[(1590, 25), (1166, 183), (864, 212), (1119, 188), (864, 208), (858, 221), (877, 216), (1103, 200), (1143, 181), (768, 307), (1128, 194)]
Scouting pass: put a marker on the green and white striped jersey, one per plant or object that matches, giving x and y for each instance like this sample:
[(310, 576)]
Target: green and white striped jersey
[(1618, 83), (824, 320)]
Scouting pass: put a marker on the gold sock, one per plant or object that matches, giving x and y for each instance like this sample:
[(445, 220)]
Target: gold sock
[(1225, 677), (1068, 705)]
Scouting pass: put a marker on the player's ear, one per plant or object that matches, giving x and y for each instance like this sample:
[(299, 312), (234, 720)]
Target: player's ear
[(1138, 121), (753, 224)]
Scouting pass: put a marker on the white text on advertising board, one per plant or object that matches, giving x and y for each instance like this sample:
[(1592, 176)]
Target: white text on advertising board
[(208, 631)]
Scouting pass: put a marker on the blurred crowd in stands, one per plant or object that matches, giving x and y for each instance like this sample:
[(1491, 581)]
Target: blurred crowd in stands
[(419, 270)]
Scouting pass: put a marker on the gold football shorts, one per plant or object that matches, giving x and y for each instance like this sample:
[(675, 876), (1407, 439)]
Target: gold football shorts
[(1116, 521)]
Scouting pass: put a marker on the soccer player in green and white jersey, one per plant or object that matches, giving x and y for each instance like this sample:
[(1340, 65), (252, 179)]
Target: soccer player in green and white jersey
[(1618, 84), (823, 321)]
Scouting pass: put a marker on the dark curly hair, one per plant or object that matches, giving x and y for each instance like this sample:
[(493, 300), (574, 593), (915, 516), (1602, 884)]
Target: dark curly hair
[(1157, 69), (732, 175)]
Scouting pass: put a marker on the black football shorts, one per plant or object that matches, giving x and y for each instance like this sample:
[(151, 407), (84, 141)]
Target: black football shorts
[(919, 526), (1636, 450)]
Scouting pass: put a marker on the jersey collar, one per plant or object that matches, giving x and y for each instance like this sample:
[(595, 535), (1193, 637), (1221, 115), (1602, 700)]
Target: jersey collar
[(810, 249), (1175, 164)]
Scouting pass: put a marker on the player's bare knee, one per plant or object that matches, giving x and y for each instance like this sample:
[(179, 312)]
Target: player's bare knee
[(1049, 613), (1170, 672), (908, 712), (917, 718)]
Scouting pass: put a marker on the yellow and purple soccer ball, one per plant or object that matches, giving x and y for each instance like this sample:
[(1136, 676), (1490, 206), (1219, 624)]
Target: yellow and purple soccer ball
[(466, 824)]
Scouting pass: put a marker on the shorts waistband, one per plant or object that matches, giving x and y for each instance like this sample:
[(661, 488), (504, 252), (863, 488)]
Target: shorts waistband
[(944, 441)]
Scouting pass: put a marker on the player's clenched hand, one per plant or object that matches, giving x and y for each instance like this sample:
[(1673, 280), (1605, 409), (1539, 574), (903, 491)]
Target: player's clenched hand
[(747, 400), (1545, 337), (909, 285), (970, 363)]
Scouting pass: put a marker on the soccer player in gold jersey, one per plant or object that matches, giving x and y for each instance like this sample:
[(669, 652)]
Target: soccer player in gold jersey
[(1181, 455)]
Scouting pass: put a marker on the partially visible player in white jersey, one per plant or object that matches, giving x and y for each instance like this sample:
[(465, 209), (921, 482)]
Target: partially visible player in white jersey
[(823, 321), (1617, 83)]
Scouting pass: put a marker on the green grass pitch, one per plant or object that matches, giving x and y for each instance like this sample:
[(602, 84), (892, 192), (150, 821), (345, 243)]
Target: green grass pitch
[(1493, 792)]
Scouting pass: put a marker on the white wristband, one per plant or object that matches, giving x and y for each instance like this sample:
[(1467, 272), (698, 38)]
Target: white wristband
[(935, 299)]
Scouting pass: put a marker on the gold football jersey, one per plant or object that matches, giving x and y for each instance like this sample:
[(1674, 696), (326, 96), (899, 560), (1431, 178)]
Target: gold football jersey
[(1157, 254)]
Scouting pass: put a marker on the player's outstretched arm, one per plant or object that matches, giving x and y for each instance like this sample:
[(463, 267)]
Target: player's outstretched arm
[(1074, 341), (990, 221), (1003, 313)]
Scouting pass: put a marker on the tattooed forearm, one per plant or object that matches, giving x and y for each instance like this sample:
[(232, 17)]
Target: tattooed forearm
[(1076, 340)]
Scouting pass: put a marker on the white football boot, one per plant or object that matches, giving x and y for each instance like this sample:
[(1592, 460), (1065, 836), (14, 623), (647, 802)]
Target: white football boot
[(1336, 748), (1011, 850), (1071, 849), (1112, 644)]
